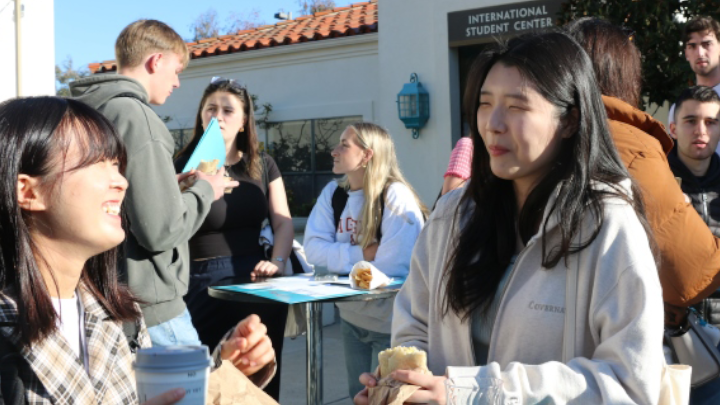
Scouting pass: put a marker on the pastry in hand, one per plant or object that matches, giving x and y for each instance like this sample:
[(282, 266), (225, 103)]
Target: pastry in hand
[(402, 358), (363, 277), (205, 167), (208, 167)]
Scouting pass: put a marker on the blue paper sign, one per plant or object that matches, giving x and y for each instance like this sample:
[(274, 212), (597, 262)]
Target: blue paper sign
[(211, 146)]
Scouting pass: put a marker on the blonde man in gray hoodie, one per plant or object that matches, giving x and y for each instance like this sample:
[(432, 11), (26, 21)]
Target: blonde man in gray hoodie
[(150, 56)]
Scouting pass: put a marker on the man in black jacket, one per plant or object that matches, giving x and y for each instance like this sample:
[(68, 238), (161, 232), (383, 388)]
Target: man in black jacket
[(694, 161)]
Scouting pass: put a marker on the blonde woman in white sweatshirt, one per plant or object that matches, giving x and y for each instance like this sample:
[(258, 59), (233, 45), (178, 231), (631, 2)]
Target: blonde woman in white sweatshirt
[(549, 199), (371, 214)]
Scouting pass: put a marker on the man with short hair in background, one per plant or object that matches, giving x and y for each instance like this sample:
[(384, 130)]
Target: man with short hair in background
[(695, 162), (702, 51), (693, 159)]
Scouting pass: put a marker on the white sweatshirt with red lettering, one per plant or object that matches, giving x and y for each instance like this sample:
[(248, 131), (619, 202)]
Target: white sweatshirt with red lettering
[(337, 249)]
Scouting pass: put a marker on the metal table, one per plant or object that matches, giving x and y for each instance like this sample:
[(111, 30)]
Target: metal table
[(314, 328)]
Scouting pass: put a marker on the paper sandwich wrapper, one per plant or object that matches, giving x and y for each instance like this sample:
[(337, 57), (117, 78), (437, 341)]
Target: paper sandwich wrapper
[(229, 386), (379, 279)]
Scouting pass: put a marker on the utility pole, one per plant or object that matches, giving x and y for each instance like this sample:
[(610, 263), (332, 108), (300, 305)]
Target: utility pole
[(18, 51)]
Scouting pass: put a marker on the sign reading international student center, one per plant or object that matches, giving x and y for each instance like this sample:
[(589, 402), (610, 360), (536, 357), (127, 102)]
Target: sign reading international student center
[(469, 26)]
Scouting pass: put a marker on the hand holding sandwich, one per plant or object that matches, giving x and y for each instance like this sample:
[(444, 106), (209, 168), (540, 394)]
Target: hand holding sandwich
[(432, 388), (401, 377)]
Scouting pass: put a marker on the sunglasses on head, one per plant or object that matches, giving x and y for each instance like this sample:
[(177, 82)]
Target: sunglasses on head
[(218, 80)]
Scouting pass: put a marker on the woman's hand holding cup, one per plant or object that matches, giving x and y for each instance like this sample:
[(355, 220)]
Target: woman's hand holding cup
[(249, 348)]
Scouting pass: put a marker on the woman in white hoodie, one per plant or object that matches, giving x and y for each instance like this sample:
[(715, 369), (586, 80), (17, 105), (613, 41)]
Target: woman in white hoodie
[(548, 198), (371, 214)]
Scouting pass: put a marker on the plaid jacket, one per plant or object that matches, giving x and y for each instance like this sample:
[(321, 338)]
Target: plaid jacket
[(53, 374)]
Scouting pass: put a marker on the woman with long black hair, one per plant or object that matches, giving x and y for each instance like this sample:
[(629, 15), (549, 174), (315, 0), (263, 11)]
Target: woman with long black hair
[(548, 198)]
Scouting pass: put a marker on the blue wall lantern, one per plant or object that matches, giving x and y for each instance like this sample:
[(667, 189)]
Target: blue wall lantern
[(414, 105)]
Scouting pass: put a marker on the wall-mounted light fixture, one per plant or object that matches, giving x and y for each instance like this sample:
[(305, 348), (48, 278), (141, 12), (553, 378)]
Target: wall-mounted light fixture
[(414, 105)]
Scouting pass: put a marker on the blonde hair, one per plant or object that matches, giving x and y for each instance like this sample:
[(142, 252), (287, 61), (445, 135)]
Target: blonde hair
[(382, 170), (143, 37)]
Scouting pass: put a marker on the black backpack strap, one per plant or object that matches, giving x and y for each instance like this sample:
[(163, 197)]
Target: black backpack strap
[(378, 232), (339, 200)]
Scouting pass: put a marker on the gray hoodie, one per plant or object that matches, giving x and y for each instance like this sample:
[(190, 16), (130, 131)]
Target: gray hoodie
[(162, 219), (618, 341)]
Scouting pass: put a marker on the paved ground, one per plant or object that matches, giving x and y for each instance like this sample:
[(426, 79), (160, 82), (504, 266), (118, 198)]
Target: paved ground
[(294, 372), (293, 376)]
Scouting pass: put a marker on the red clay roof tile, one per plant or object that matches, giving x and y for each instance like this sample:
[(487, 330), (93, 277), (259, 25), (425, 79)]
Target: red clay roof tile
[(355, 19)]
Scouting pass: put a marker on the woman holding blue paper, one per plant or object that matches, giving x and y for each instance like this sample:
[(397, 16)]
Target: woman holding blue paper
[(226, 245)]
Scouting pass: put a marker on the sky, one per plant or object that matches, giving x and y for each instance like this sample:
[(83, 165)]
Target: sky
[(85, 30)]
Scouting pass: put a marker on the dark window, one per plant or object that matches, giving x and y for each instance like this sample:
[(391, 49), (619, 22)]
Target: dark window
[(302, 151)]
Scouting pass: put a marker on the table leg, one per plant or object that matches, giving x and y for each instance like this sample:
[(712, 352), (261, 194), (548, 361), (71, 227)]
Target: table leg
[(314, 353)]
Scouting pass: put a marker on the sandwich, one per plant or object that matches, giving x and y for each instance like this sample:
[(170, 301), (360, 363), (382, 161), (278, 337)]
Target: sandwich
[(363, 277), (402, 358), (205, 167)]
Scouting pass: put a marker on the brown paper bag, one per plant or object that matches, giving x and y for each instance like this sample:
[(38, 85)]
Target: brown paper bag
[(228, 385), (390, 391)]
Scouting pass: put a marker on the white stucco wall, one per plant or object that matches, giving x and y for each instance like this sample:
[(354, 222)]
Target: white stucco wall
[(38, 46), (323, 79)]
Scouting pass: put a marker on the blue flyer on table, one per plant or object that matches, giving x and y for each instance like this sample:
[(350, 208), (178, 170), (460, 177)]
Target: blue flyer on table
[(211, 146)]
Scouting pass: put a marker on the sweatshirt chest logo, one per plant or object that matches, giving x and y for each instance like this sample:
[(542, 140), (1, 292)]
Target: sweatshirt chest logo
[(537, 306), (351, 226)]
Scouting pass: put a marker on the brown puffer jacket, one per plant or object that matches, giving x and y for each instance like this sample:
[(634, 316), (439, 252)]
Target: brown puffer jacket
[(690, 254)]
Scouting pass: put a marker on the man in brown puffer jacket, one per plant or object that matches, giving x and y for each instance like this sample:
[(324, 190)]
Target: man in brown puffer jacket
[(690, 255)]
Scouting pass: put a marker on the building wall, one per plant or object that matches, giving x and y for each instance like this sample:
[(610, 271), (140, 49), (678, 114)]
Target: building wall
[(414, 38), (38, 68), (324, 79)]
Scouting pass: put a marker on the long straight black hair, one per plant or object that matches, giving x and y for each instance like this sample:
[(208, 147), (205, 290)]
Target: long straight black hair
[(36, 134), (560, 70)]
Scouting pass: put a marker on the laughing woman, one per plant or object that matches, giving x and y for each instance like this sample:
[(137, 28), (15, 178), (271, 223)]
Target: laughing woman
[(61, 306), (548, 198)]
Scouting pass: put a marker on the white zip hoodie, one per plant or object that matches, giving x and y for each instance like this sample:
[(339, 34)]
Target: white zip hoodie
[(619, 315), (336, 247)]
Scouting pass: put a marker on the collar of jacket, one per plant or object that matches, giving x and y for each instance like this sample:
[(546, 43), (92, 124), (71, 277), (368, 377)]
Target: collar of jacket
[(710, 180), (619, 110), (55, 364), (553, 218)]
